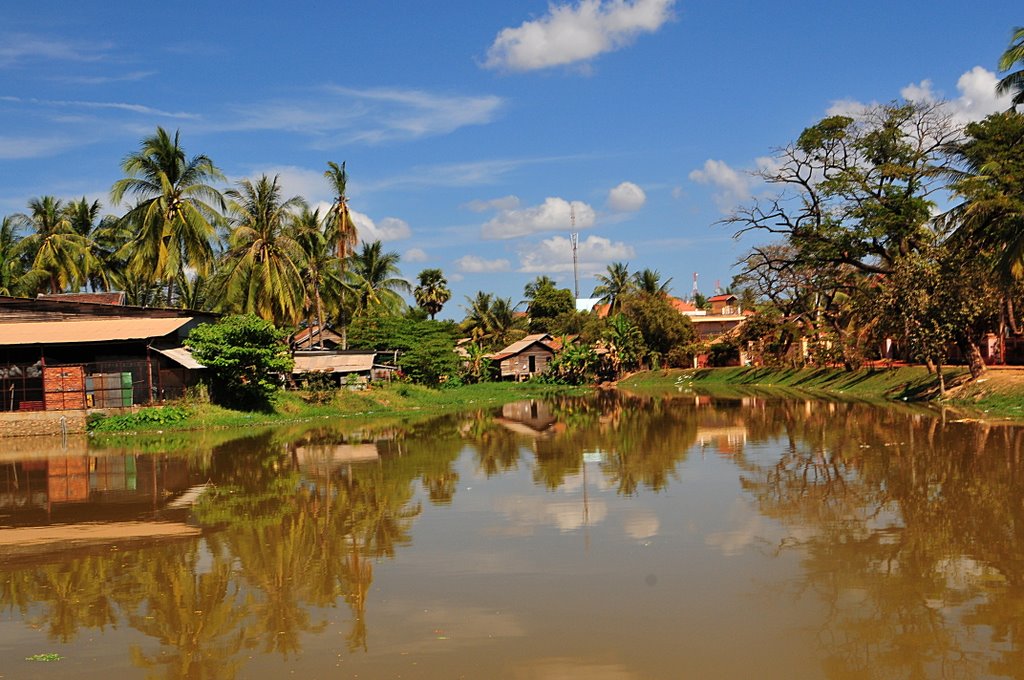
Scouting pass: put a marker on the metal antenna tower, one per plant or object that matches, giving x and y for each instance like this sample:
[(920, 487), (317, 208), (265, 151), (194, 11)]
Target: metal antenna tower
[(574, 239), (696, 291)]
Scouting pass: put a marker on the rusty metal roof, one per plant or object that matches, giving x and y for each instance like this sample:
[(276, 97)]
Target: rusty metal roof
[(180, 356), (91, 330), (333, 363)]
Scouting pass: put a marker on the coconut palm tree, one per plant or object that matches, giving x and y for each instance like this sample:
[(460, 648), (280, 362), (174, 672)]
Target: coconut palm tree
[(432, 292), (176, 209), (649, 281), (613, 285), (341, 228), (492, 320), (376, 278), (322, 269), (1013, 56), (55, 250), (540, 283), (263, 262), (12, 267)]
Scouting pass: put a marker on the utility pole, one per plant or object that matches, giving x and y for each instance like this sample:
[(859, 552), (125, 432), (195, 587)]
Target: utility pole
[(574, 239)]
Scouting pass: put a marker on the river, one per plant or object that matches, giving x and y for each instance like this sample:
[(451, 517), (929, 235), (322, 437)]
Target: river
[(612, 537)]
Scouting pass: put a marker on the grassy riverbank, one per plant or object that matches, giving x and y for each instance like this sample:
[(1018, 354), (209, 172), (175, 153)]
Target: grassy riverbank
[(998, 393), (378, 402)]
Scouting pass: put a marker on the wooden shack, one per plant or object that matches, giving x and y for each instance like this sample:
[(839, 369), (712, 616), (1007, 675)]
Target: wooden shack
[(526, 358)]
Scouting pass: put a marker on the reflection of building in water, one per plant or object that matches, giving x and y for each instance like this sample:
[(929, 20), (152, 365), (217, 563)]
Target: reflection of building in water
[(530, 417), (726, 440), (88, 488), (76, 501), (321, 459)]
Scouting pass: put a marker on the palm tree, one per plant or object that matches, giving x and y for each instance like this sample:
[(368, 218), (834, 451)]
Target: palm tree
[(492, 320), (540, 283), (56, 251), (262, 264), (432, 292), (341, 228), (11, 264), (84, 217), (613, 285), (176, 209), (322, 269), (1013, 56), (649, 281), (376, 278)]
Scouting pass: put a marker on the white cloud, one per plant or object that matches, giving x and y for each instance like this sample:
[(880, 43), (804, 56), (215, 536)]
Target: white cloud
[(554, 255), (22, 47), (569, 34), (415, 255), (13, 148), (977, 99), (733, 186), (474, 264), (296, 181), (554, 214), (388, 229), (627, 197), (118, 106), (371, 116), (503, 203)]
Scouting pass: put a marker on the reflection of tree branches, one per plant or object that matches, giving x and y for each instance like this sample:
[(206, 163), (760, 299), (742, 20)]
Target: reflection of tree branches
[(909, 537)]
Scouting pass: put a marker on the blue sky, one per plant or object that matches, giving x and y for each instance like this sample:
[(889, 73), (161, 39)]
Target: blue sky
[(469, 128)]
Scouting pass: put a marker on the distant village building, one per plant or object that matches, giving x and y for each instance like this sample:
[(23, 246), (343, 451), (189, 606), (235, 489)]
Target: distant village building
[(526, 358), (90, 350), (312, 337)]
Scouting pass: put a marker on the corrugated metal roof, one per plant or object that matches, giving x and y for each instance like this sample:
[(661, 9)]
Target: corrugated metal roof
[(517, 347), (335, 363), (91, 330), (181, 356)]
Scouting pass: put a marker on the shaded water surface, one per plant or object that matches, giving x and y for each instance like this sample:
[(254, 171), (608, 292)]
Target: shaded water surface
[(612, 537)]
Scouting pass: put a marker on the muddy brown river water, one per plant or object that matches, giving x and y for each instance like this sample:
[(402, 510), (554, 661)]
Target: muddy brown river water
[(607, 538)]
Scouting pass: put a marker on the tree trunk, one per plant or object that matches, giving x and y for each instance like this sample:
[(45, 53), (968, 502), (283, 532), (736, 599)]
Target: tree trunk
[(942, 379), (972, 353)]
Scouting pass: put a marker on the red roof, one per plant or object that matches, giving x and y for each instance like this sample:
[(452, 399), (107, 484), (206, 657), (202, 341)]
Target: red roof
[(721, 298), (682, 306)]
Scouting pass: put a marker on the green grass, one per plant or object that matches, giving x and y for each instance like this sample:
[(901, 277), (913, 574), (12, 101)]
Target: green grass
[(911, 383), (371, 404)]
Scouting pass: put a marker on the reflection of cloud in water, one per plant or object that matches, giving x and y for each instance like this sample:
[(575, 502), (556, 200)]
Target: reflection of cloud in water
[(527, 513), (454, 624), (642, 524), (752, 528), (572, 669)]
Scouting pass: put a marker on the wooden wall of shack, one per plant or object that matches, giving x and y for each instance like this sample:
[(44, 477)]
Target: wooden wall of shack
[(517, 366)]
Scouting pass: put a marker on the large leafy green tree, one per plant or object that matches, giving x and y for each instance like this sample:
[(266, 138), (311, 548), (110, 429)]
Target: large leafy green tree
[(663, 328), (546, 302), (1013, 82), (263, 263), (175, 211), (376, 279), (432, 292), (855, 196), (244, 355)]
